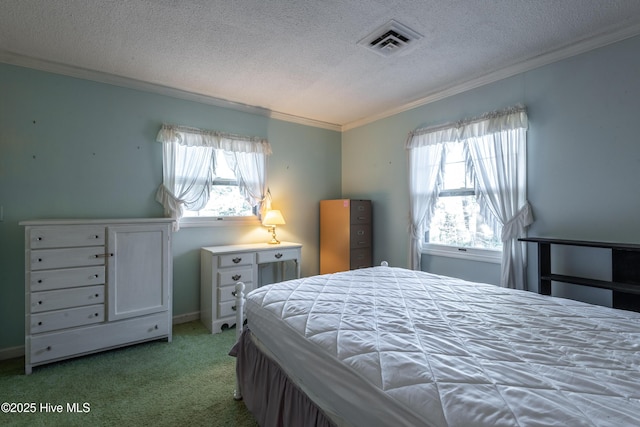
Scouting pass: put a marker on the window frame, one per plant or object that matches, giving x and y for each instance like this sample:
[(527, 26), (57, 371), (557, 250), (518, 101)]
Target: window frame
[(226, 220), (455, 251)]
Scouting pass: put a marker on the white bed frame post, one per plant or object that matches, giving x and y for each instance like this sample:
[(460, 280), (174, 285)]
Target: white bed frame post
[(239, 308)]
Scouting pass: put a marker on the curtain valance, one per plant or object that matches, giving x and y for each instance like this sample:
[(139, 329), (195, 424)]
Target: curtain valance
[(193, 137), (487, 124)]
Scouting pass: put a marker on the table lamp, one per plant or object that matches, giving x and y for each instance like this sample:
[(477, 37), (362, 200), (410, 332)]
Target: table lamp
[(271, 220)]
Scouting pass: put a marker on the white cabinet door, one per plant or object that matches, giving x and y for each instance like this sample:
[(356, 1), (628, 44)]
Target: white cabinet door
[(138, 272)]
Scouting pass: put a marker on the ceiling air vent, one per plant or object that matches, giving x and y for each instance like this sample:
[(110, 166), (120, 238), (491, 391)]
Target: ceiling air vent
[(390, 39)]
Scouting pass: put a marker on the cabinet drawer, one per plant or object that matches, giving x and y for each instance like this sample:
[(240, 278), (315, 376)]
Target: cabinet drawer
[(65, 237), (277, 255), (65, 278), (64, 258), (226, 309), (360, 212), (231, 276), (66, 298), (58, 345), (360, 258), (230, 260), (69, 318), (360, 236)]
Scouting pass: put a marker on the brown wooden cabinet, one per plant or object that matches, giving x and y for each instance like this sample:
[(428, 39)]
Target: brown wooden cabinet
[(346, 240)]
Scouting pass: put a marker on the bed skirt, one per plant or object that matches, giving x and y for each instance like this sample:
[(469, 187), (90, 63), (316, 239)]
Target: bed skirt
[(268, 393)]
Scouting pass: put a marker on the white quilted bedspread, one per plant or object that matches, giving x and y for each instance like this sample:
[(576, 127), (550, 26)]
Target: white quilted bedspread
[(451, 353)]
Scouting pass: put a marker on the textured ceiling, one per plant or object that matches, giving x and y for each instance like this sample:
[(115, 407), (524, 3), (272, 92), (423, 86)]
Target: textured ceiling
[(301, 57)]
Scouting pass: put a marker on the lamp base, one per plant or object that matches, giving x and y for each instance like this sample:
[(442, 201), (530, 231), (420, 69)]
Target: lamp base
[(274, 240)]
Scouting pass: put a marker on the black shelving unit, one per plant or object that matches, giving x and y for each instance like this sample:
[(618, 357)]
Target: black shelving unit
[(625, 274)]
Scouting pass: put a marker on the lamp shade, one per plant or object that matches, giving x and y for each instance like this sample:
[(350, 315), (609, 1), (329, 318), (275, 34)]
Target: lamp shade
[(273, 217)]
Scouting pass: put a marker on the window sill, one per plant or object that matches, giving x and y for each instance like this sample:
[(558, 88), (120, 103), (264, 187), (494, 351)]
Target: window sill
[(472, 254), (219, 221)]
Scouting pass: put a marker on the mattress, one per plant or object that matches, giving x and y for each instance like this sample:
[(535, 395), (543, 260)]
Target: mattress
[(392, 347)]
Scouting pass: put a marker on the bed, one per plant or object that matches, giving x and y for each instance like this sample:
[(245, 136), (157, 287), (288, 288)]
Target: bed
[(386, 346)]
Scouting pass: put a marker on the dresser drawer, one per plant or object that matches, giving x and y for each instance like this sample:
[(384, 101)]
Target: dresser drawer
[(66, 298), (60, 319), (237, 259), (65, 278), (58, 345), (66, 237), (277, 255), (231, 276), (360, 236), (64, 258)]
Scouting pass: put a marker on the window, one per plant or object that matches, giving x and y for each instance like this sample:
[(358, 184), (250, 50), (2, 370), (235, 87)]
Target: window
[(494, 146), (225, 198), (457, 220), (210, 175)]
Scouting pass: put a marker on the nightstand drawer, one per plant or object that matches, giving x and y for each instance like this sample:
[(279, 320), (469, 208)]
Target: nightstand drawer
[(66, 298), (66, 237), (236, 259), (69, 318), (277, 255), (233, 275)]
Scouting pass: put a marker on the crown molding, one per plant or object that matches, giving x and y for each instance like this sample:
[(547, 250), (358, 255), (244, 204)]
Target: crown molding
[(126, 82), (574, 49)]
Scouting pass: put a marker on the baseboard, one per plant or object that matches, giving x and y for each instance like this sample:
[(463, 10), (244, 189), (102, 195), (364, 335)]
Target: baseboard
[(13, 352), (187, 317)]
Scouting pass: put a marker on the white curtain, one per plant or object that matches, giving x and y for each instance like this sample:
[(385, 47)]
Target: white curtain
[(426, 164), (188, 167), (496, 148), (496, 154), (251, 171)]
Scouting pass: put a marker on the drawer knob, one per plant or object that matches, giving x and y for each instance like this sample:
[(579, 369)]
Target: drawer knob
[(39, 302), (236, 260), (97, 295), (95, 276), (49, 348), (236, 277), (233, 293), (39, 323), (39, 280), (39, 239), (278, 255), (96, 237), (96, 315), (39, 259), (233, 307), (155, 327)]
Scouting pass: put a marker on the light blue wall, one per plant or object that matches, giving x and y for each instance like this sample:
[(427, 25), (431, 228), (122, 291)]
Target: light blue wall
[(583, 156), (71, 148)]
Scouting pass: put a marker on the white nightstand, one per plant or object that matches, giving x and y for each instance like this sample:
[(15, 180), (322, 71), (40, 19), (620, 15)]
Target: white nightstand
[(221, 267)]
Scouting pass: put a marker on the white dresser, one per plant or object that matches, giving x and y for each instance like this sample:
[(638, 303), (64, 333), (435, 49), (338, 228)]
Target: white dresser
[(92, 285), (221, 267)]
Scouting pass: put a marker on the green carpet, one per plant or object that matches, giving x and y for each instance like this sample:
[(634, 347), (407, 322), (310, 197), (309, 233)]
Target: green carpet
[(188, 382)]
